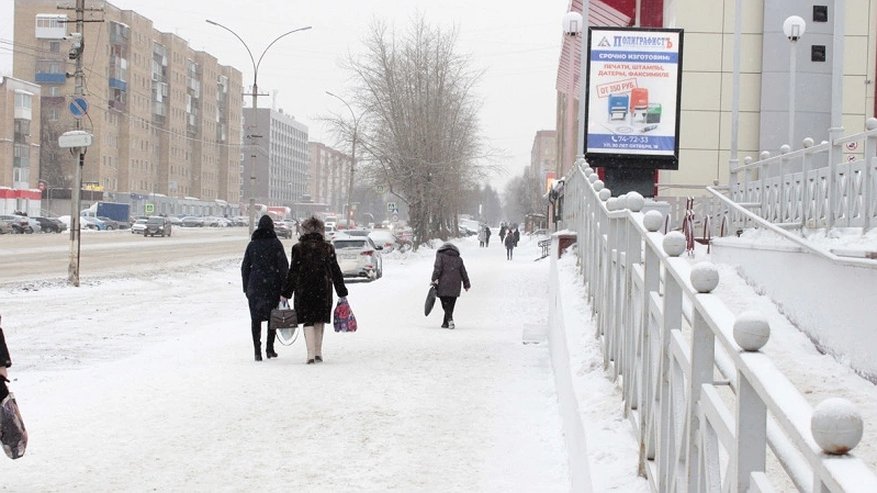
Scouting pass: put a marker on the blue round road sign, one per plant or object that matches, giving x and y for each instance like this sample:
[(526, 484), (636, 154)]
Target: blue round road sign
[(78, 107)]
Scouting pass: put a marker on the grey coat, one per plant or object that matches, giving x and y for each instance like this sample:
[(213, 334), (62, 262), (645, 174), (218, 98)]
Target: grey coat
[(449, 271)]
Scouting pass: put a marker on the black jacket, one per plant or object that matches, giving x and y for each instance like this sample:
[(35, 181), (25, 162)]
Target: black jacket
[(313, 270), (262, 272), (5, 360), (449, 271)]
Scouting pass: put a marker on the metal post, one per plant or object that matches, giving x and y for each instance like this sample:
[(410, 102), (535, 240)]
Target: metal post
[(734, 162), (583, 76), (349, 210), (793, 59), (73, 266)]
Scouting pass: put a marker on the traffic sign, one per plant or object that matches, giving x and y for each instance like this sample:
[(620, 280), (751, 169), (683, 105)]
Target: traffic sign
[(78, 107), (391, 206), (380, 189), (149, 208)]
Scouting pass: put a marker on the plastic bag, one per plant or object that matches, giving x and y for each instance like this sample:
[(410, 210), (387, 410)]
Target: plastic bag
[(343, 318)]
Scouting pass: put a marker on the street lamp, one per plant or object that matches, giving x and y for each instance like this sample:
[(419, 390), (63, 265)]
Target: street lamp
[(352, 158), (576, 24), (793, 27), (255, 94)]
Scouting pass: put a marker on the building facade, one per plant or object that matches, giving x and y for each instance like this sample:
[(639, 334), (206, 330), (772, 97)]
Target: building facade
[(19, 146), (281, 158), (329, 178), (707, 105), (166, 119), (543, 158)]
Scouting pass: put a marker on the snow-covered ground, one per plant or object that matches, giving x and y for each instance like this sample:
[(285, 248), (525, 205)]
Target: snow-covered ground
[(148, 383)]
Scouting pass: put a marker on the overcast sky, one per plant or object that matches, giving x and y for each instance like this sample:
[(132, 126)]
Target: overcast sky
[(515, 42)]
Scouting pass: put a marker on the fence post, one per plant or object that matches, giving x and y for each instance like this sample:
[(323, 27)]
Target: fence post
[(751, 434), (702, 362), (870, 141), (835, 152)]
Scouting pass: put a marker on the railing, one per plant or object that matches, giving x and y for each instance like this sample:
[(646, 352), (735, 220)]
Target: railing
[(710, 411), (789, 190)]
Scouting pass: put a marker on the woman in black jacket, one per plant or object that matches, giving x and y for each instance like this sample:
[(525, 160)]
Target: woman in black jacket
[(262, 272), (313, 270), (447, 274)]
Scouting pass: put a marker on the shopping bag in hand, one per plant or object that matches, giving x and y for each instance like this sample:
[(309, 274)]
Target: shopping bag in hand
[(13, 435), (343, 318), (284, 320), (430, 300)]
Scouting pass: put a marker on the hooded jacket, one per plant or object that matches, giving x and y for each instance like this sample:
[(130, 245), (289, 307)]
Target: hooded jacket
[(449, 271), (263, 270)]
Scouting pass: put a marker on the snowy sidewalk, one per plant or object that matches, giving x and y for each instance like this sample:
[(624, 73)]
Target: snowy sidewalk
[(149, 384)]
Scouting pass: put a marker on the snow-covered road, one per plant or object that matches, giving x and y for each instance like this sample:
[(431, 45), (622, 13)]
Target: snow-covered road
[(148, 383)]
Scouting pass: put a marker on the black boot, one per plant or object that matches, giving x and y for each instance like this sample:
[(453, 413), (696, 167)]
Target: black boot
[(257, 339), (269, 344)]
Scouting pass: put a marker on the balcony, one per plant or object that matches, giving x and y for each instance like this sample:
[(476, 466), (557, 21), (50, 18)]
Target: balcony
[(118, 84), (50, 78)]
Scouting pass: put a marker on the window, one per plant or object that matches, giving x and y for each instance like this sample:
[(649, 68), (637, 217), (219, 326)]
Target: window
[(820, 13), (55, 46), (817, 53), (23, 100)]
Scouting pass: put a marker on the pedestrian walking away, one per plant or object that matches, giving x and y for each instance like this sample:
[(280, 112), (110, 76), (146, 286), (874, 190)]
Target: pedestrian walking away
[(313, 271), (502, 232), (263, 271), (509, 243), (482, 237), (448, 273), (486, 236), (517, 235)]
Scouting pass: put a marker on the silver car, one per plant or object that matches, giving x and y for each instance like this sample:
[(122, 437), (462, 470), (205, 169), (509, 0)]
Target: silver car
[(358, 256)]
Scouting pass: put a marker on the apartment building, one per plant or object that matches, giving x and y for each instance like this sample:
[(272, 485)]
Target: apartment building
[(329, 176), (281, 157), (166, 118), (543, 157), (19, 145)]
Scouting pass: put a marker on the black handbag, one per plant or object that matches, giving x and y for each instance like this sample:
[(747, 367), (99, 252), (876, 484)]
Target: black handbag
[(284, 320), (430, 300)]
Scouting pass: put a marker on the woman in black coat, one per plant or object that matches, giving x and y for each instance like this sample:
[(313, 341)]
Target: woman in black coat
[(447, 274), (313, 271), (262, 271)]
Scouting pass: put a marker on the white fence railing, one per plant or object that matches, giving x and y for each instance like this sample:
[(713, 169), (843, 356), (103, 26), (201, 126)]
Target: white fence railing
[(789, 190), (708, 414)]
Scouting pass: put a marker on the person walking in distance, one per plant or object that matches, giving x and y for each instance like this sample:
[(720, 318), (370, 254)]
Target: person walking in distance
[(502, 232), (313, 271), (486, 235), (448, 274), (509, 243), (517, 235), (263, 271)]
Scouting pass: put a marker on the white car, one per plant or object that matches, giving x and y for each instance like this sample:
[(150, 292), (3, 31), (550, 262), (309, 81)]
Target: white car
[(384, 239), (139, 227), (358, 256)]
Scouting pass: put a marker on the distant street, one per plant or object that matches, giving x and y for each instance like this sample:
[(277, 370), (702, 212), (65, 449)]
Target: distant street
[(38, 257)]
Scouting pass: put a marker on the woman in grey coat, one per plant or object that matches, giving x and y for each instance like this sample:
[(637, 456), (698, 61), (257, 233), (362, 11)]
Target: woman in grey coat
[(447, 274)]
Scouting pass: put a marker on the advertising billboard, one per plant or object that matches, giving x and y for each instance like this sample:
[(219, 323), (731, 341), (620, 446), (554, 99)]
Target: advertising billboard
[(634, 81)]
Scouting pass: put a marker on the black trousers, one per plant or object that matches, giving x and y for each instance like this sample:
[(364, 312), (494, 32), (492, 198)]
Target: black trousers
[(448, 303), (256, 328)]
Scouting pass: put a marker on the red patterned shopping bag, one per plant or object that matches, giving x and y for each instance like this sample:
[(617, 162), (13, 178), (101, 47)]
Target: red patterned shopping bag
[(343, 318)]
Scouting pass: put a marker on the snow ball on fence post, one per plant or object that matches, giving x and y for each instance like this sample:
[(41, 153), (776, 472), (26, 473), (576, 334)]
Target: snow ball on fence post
[(593, 177), (622, 202), (635, 202), (836, 425), (611, 203), (604, 194), (674, 243), (751, 330), (598, 184), (653, 220), (871, 123), (704, 277)]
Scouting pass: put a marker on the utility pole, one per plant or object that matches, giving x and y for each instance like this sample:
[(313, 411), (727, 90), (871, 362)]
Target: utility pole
[(79, 91)]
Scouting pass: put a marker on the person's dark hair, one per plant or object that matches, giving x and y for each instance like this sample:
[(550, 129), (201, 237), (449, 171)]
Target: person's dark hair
[(313, 224), (265, 222)]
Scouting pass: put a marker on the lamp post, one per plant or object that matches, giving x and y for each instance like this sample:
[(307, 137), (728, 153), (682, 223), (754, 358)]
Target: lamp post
[(352, 158), (575, 24), (793, 27), (255, 94)]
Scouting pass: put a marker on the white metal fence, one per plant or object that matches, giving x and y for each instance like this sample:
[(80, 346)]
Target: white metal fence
[(709, 415)]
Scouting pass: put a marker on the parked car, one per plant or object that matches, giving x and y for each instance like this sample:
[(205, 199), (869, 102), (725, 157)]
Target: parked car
[(330, 232), (358, 256), (19, 223), (112, 224), (158, 225), (138, 227), (93, 223), (384, 239), (192, 222), (176, 221), (51, 224)]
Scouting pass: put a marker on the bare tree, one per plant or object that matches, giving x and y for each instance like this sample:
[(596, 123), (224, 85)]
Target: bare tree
[(419, 123)]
